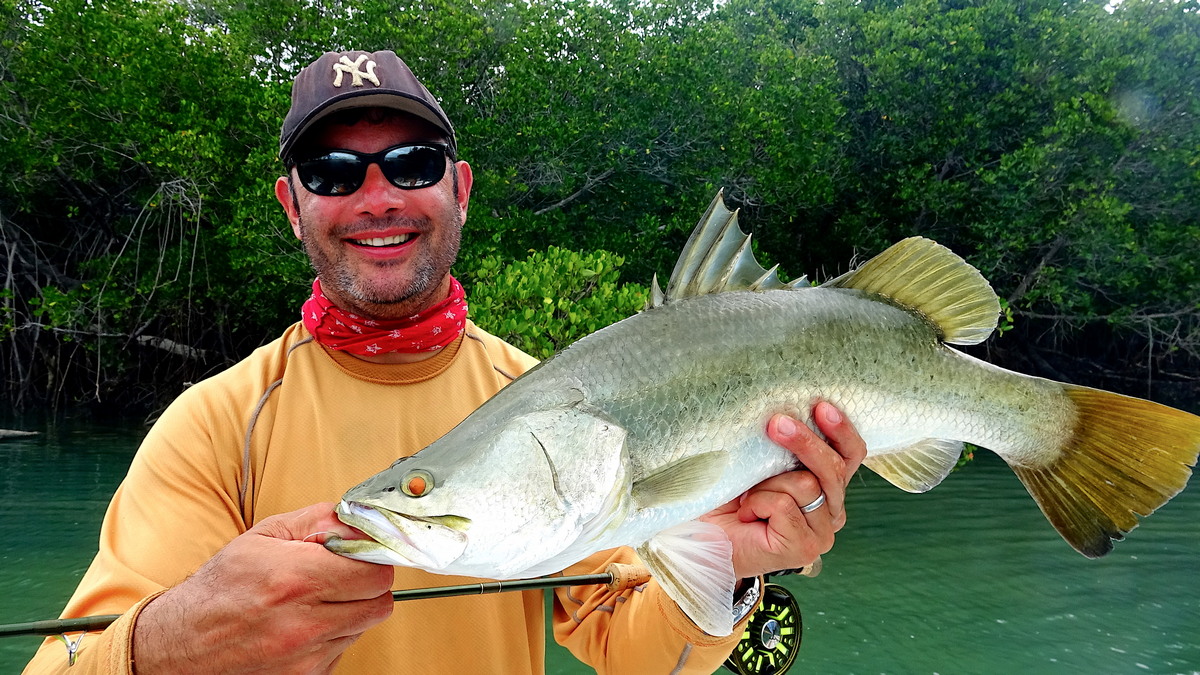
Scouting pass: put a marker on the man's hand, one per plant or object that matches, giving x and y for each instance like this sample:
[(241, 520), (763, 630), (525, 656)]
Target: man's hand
[(268, 602), (766, 525)]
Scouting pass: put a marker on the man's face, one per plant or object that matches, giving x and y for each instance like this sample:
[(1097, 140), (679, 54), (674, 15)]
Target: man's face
[(380, 251)]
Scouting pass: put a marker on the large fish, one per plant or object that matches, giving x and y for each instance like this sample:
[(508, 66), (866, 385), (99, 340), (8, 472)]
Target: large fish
[(630, 434)]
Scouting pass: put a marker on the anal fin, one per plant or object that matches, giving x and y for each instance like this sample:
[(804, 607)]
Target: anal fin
[(919, 467), (693, 562)]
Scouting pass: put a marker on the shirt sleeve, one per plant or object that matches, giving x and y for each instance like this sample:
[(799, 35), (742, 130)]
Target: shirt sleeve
[(177, 506), (639, 630)]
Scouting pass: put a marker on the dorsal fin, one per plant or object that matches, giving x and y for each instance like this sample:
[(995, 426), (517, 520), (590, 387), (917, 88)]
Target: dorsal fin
[(929, 278), (717, 258)]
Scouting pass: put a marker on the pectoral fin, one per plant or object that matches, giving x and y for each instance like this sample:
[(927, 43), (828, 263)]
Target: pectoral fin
[(919, 467), (680, 480), (693, 563)]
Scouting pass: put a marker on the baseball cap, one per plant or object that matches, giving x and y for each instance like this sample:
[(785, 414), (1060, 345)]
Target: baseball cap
[(357, 79)]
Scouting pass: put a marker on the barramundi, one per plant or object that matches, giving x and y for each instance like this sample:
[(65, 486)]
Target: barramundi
[(630, 434)]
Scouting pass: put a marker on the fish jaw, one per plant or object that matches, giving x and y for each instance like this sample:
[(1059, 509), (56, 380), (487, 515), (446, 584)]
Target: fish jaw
[(394, 537)]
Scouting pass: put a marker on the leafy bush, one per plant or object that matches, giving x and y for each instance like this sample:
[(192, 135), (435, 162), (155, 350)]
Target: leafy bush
[(550, 299)]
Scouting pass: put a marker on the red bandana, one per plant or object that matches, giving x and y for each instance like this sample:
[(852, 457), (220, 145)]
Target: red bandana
[(428, 331)]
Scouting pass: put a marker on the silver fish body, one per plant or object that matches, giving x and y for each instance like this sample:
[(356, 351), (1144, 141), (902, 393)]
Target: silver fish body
[(632, 433)]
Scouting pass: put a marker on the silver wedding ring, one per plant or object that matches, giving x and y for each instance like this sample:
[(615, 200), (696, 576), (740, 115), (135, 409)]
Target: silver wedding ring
[(816, 504)]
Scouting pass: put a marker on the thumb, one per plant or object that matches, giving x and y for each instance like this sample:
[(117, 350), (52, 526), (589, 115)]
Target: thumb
[(312, 523)]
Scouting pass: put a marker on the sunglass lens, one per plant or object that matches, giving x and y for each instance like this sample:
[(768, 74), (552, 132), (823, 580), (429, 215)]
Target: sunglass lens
[(335, 173), (414, 166)]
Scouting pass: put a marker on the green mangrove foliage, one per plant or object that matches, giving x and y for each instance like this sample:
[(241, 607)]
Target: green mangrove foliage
[(552, 298), (1054, 144)]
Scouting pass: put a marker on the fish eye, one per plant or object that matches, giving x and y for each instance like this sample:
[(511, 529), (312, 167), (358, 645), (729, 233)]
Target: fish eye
[(417, 483)]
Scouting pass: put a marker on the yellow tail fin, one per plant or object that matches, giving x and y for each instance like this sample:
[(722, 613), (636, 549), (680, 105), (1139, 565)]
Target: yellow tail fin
[(1127, 458)]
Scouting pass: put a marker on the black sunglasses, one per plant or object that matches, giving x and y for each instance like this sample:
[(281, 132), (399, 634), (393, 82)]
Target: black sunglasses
[(409, 166)]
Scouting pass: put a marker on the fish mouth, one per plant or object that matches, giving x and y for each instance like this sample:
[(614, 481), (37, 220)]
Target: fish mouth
[(427, 542)]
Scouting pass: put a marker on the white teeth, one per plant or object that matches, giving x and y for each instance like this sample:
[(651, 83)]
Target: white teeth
[(385, 241)]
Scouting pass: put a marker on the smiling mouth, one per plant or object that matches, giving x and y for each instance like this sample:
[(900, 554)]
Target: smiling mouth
[(383, 242)]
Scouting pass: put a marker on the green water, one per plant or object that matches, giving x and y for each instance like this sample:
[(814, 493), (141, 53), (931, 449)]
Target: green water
[(968, 578)]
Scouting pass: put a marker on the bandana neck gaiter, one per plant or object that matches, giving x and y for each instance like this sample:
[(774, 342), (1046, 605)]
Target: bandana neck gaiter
[(429, 331)]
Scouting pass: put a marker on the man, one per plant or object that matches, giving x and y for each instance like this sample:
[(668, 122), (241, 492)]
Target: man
[(211, 548)]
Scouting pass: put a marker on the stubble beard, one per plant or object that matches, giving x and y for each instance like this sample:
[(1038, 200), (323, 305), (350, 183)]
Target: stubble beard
[(398, 298)]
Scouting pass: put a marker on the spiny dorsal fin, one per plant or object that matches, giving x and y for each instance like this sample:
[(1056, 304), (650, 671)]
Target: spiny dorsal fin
[(656, 294), (919, 467), (927, 277), (718, 258)]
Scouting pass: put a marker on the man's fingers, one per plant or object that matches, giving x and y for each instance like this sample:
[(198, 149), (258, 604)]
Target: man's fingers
[(788, 532), (354, 618), (312, 523), (341, 579), (801, 489), (819, 458), (353, 580), (778, 493), (842, 436), (772, 530)]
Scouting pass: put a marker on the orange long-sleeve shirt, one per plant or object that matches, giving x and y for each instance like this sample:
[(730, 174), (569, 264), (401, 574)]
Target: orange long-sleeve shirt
[(295, 424)]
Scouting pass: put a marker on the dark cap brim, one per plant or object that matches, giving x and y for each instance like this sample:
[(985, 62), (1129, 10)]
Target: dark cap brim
[(376, 98)]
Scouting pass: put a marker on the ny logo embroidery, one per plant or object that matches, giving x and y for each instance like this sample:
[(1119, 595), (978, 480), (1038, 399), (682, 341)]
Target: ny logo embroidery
[(345, 66)]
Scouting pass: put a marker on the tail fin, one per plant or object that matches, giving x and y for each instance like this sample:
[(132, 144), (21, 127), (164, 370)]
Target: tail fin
[(1127, 458)]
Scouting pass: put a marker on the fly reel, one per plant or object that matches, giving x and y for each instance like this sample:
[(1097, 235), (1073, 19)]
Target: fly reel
[(771, 639)]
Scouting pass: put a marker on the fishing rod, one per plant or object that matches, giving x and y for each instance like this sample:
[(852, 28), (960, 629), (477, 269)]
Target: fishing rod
[(768, 644), (616, 577)]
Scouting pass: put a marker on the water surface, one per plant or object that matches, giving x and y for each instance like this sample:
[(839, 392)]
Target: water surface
[(968, 578)]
